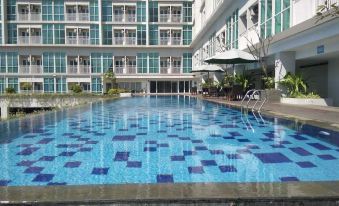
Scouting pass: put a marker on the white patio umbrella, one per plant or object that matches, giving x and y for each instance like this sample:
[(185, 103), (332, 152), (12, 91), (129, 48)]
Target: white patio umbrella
[(233, 56), (208, 68)]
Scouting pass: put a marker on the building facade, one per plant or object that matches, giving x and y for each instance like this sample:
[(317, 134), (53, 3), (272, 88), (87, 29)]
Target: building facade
[(152, 46), (54, 44)]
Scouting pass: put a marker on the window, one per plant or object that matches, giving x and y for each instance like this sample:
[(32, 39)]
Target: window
[(3, 66), (142, 62), (232, 31), (107, 35), (282, 15), (48, 62), (153, 62), (94, 10), (187, 62), (48, 85), (94, 34), (153, 11), (153, 35), (96, 62), (60, 85), (12, 62), (13, 83), (11, 9), (2, 85), (60, 63), (107, 62), (59, 33), (47, 10), (96, 85), (12, 33), (141, 11), (47, 33), (187, 35), (58, 10), (266, 18), (106, 10), (187, 12), (141, 34)]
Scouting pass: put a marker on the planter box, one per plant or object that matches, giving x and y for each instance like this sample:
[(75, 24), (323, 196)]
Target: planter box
[(302, 101), (125, 94)]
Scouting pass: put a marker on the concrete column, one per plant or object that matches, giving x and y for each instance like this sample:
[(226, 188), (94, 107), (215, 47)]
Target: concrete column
[(333, 83), (284, 63), (4, 111)]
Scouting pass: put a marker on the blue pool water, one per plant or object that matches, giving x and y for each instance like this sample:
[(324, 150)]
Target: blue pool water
[(162, 140)]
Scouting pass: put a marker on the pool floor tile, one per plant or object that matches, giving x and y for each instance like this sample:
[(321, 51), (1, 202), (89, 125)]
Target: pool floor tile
[(165, 178), (272, 158), (100, 171), (196, 170), (227, 168), (43, 178)]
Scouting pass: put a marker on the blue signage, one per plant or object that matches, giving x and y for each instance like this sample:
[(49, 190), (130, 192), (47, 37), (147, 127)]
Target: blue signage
[(321, 49)]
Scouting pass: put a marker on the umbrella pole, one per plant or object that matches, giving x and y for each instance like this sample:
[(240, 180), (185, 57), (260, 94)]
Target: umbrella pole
[(233, 70)]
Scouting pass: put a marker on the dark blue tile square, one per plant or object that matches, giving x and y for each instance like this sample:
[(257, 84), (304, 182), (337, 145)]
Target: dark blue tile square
[(233, 156), (189, 153), (227, 168), (243, 151), (178, 158), (252, 146), (228, 137), (319, 146), (47, 158), (150, 149), (124, 138), (25, 163), (196, 170), (56, 183), (134, 164), (151, 142), (33, 170), (100, 171), (201, 148), (197, 141), (300, 151), (72, 164), (272, 158), (299, 137), (43, 178), (243, 140), (306, 164), (289, 179), (85, 149), (4, 182), (277, 146), (163, 145), (67, 154), (326, 157), (208, 163), (45, 141), (28, 151), (91, 142), (235, 134), (121, 156), (165, 178), (217, 152)]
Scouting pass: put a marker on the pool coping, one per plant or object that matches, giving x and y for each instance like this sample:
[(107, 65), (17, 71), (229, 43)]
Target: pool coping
[(180, 192)]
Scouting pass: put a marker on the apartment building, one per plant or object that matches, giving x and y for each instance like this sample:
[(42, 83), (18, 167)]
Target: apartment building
[(53, 44), (299, 42)]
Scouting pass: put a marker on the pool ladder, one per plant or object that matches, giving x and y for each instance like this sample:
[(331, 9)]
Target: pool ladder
[(254, 94)]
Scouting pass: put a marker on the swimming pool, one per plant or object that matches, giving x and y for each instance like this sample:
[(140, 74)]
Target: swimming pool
[(162, 139)]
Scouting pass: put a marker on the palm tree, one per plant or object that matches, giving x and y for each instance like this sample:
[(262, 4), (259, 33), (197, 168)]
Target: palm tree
[(110, 76), (294, 84)]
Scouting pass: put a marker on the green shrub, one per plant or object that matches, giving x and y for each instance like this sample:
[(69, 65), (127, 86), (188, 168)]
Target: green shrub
[(26, 86), (10, 90), (76, 88), (114, 92), (269, 82)]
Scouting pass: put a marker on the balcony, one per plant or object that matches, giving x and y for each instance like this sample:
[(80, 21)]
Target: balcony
[(131, 69), (24, 69), (77, 13), (29, 12), (118, 40), (84, 69), (78, 69), (130, 18), (164, 18), (176, 70), (29, 40), (72, 69), (118, 17), (131, 40), (164, 41), (71, 40), (83, 40), (164, 70), (30, 69), (119, 69), (176, 41), (176, 18)]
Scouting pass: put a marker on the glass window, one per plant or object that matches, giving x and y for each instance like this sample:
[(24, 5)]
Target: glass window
[(107, 35), (2, 85), (3, 62), (94, 34), (12, 62), (153, 11), (153, 62), (96, 85), (187, 11), (11, 9), (94, 10), (60, 63), (58, 10), (12, 33), (47, 33), (141, 11), (142, 62), (187, 35), (141, 34), (107, 62), (187, 62), (47, 10), (48, 62), (13, 83), (59, 33), (96, 62), (48, 85), (153, 35), (106, 10), (60, 85)]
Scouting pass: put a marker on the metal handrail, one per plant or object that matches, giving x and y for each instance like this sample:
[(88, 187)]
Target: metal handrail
[(250, 94), (244, 98), (262, 99)]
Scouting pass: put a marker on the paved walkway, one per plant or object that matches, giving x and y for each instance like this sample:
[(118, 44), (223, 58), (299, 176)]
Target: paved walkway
[(317, 115)]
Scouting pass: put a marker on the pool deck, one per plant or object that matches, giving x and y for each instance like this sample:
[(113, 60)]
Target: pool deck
[(319, 193), (326, 117)]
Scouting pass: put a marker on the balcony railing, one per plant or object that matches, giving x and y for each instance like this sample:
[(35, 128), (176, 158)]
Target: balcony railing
[(83, 16), (164, 40), (176, 40), (176, 70), (71, 16), (84, 69), (131, 69), (118, 17), (131, 40), (23, 17), (71, 40), (176, 17), (29, 40), (72, 69), (77, 17), (164, 18), (130, 18), (118, 40), (164, 70), (83, 40), (119, 69), (35, 16), (32, 69)]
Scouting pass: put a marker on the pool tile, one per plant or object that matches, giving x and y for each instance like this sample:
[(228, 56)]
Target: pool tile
[(299, 137), (56, 183), (300, 151), (45, 141), (26, 163), (72, 164), (177, 158), (272, 158), (121, 156), (85, 149), (189, 153), (235, 134), (319, 146), (243, 140), (201, 148), (197, 141), (67, 154), (43, 178), (217, 152), (196, 170), (4, 182), (306, 164), (276, 146), (150, 149), (208, 163), (233, 156), (100, 171), (33, 170), (326, 157), (252, 146), (165, 178), (228, 137), (28, 151), (289, 179), (227, 168), (151, 142), (124, 138), (47, 158), (134, 164), (163, 145)]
